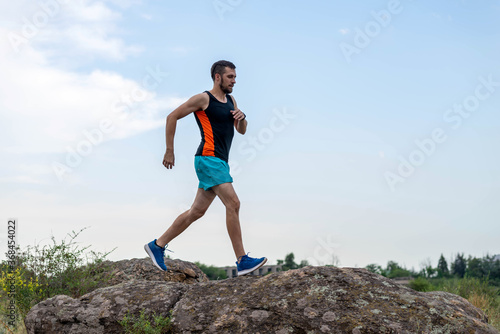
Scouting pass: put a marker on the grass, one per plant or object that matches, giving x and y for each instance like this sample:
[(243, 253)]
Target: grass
[(154, 324), (479, 292)]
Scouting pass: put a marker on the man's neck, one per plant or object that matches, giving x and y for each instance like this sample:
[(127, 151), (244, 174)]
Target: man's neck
[(218, 93)]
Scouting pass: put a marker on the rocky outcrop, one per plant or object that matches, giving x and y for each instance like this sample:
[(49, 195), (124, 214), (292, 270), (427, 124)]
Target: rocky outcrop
[(306, 300), (144, 269), (99, 311)]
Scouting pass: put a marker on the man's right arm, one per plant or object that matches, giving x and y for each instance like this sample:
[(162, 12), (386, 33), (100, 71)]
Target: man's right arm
[(195, 103)]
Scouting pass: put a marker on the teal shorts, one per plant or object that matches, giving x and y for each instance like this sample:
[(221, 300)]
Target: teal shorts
[(211, 171)]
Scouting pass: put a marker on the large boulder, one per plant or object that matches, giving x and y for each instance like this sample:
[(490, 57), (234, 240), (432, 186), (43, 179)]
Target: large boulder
[(100, 310), (306, 300), (144, 269)]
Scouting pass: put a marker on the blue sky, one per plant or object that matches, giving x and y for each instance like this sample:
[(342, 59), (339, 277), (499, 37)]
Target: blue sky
[(373, 126)]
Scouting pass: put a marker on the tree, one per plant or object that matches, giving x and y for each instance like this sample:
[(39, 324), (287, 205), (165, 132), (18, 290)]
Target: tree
[(304, 263), (427, 269), (395, 270), (442, 267), (289, 263), (375, 268), (475, 267), (459, 266)]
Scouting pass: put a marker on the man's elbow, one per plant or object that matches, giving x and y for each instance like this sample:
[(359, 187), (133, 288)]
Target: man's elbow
[(171, 117)]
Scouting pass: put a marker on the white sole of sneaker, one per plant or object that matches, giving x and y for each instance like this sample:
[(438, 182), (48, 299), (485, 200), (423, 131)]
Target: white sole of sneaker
[(150, 253), (248, 271)]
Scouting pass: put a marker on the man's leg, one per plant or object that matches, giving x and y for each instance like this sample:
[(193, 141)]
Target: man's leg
[(230, 200), (200, 205)]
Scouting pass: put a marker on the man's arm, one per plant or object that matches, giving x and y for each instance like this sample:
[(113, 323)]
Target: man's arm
[(195, 103), (240, 123)]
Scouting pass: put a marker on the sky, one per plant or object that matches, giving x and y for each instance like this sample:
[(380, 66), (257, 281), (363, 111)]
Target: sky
[(372, 126)]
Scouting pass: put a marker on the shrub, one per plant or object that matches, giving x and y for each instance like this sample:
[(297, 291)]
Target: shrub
[(42, 272), (154, 324), (421, 284)]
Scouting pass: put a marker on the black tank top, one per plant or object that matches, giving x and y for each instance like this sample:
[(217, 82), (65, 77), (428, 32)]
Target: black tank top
[(216, 125)]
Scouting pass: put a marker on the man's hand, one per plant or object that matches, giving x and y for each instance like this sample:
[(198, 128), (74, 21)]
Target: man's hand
[(169, 159), (238, 114)]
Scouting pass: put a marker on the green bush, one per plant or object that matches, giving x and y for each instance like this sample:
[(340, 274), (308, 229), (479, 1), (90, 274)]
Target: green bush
[(213, 273), (42, 272), (64, 267), (154, 324), (421, 284)]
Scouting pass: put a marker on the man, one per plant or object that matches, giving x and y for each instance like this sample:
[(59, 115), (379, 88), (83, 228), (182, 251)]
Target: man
[(217, 115)]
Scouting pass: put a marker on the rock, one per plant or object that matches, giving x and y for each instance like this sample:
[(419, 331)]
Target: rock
[(99, 311), (322, 300), (144, 269), (306, 300)]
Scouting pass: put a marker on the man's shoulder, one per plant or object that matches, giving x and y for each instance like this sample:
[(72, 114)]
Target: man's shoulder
[(201, 96), (201, 100)]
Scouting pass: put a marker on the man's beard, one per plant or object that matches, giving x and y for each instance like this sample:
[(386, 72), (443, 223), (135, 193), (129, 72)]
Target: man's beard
[(226, 89)]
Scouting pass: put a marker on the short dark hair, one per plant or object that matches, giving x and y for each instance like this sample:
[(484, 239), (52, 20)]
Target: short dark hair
[(220, 67)]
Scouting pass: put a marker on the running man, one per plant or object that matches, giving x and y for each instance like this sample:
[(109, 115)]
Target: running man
[(217, 115)]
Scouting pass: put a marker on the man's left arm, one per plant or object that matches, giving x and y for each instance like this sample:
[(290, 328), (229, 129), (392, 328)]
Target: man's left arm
[(240, 122)]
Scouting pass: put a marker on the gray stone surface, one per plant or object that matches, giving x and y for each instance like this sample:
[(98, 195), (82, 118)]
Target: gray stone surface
[(306, 300), (144, 269)]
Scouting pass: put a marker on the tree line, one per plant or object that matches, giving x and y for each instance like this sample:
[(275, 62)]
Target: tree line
[(487, 267)]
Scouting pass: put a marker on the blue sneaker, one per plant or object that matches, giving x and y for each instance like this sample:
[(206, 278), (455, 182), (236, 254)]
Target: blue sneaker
[(248, 264), (156, 253)]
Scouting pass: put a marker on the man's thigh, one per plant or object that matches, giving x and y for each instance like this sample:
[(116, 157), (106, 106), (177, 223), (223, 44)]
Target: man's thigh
[(203, 199), (226, 193)]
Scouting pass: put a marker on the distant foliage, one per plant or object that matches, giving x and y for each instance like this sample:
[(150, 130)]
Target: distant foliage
[(442, 267), (394, 270), (459, 266), (212, 272), (375, 268), (475, 279), (289, 263), (421, 284)]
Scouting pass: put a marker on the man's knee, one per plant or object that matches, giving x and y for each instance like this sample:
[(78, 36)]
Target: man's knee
[(233, 204), (197, 213)]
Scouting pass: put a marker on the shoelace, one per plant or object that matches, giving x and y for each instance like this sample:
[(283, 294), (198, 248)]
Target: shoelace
[(242, 257)]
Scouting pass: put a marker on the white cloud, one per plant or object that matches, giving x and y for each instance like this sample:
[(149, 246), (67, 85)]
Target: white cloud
[(47, 108), (344, 31), (68, 29)]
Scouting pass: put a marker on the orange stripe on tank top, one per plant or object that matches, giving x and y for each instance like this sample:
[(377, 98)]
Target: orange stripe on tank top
[(208, 148)]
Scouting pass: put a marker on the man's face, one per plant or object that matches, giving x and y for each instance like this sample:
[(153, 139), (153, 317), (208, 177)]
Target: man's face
[(228, 79)]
